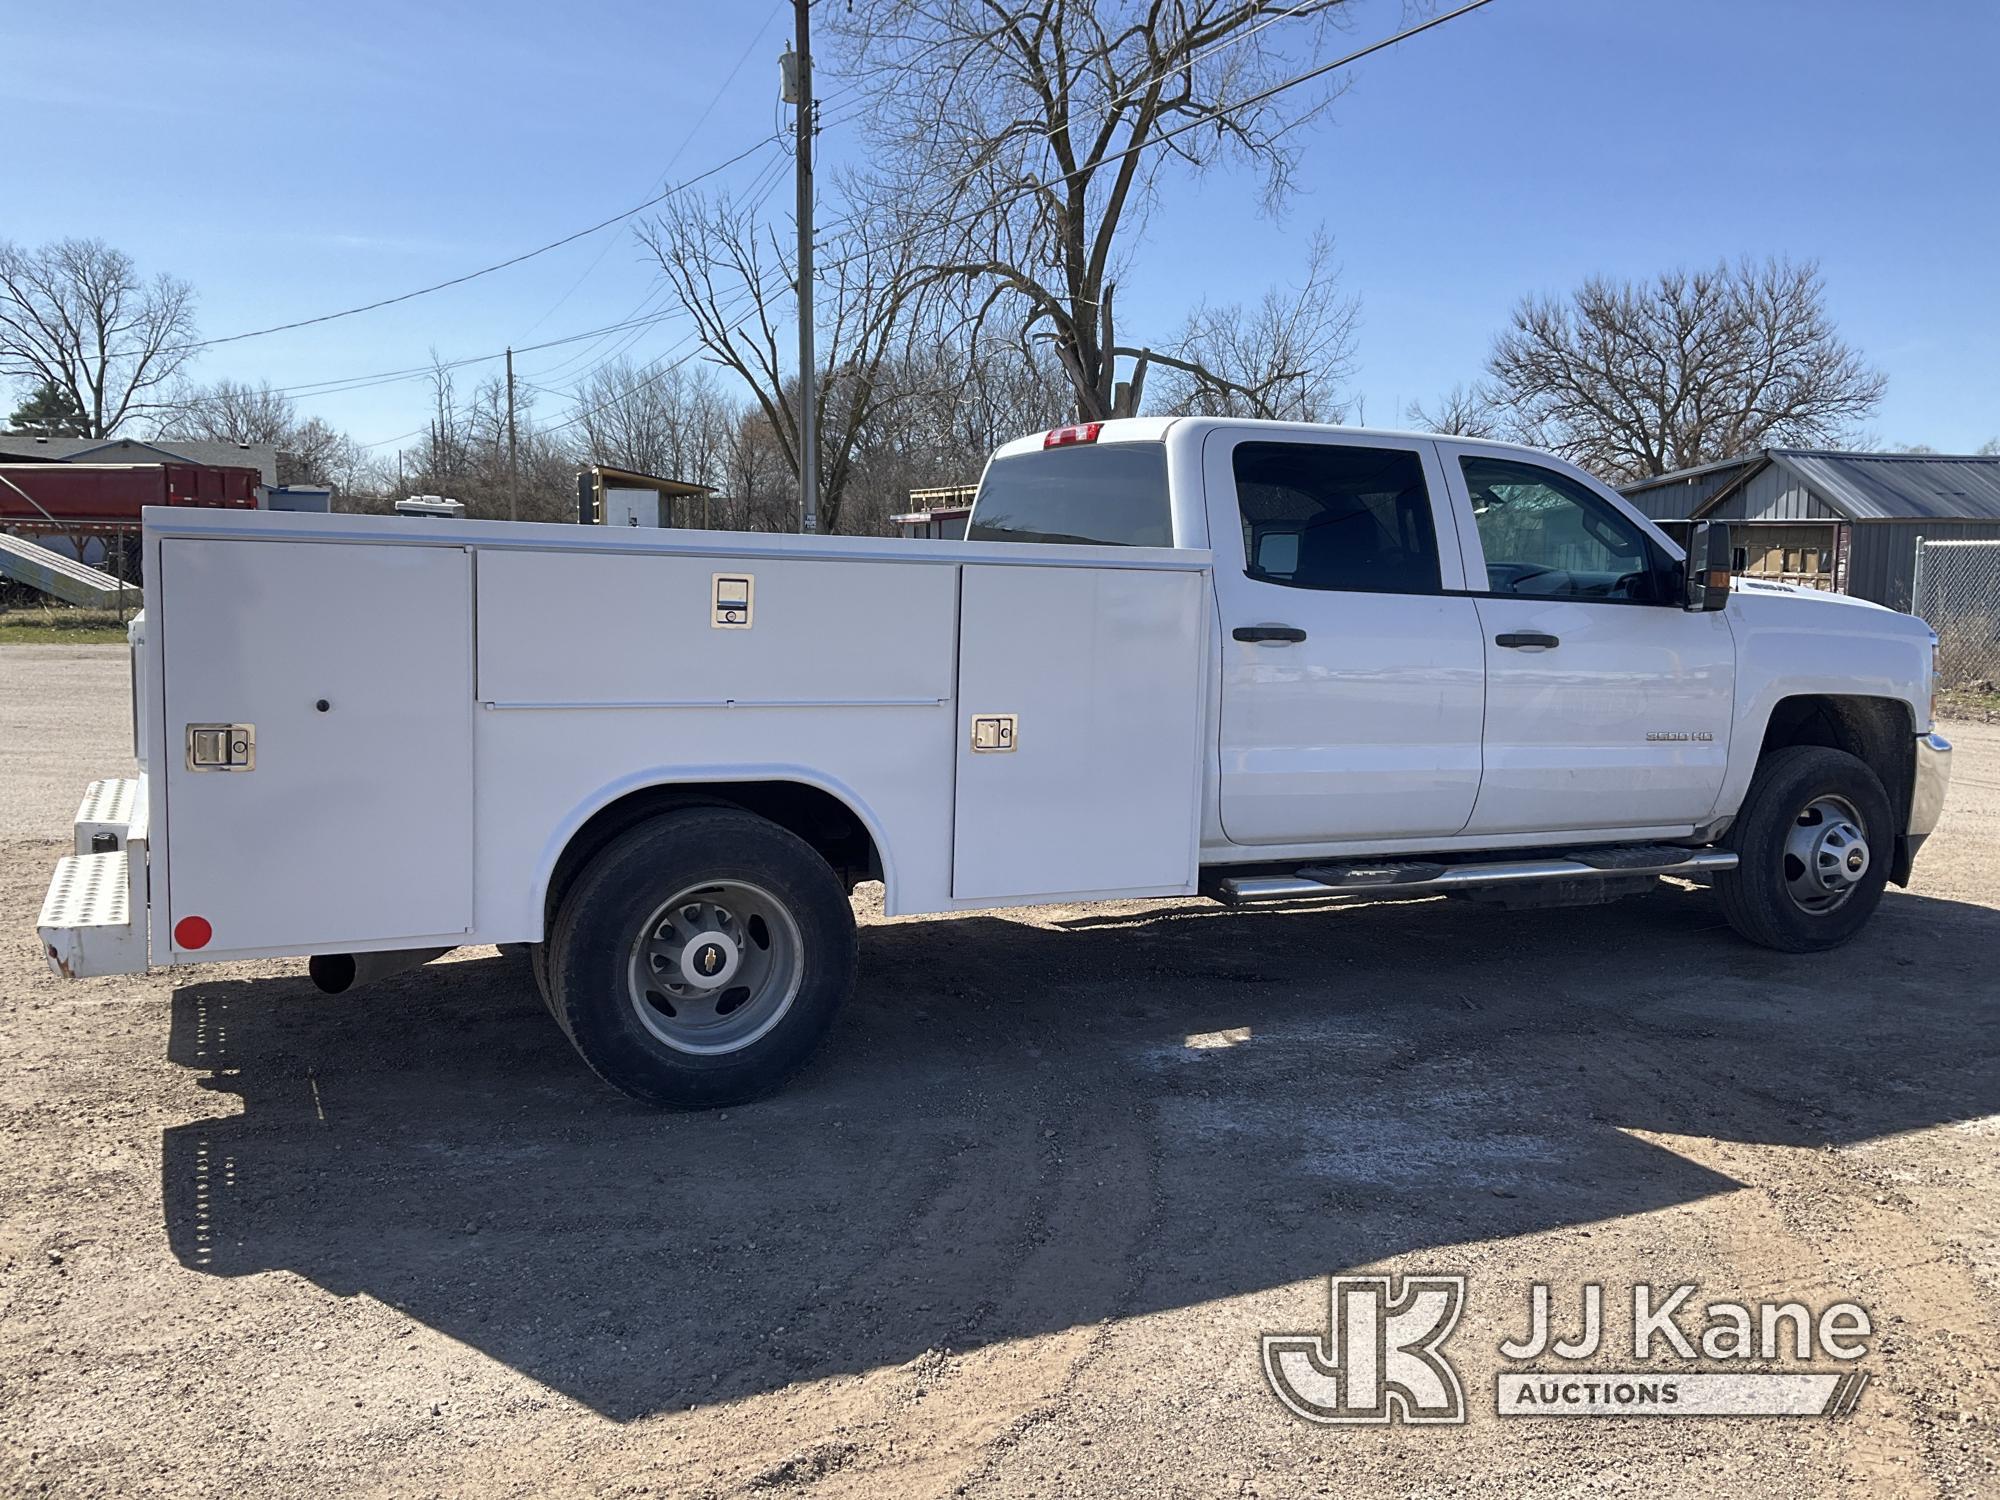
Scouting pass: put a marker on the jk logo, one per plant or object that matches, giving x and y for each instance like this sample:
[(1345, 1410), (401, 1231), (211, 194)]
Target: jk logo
[(1379, 1359)]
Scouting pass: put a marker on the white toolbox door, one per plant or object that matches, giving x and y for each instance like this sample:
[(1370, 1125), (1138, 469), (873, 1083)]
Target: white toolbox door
[(354, 825), (1090, 780)]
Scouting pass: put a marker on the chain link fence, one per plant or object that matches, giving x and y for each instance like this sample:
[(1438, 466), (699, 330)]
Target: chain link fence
[(1957, 592)]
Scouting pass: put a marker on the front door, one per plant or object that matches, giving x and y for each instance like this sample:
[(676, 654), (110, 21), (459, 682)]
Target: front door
[(1352, 679), (1608, 706)]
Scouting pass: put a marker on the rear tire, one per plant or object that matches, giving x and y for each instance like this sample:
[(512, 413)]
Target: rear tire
[(1814, 838), (538, 965), (699, 959)]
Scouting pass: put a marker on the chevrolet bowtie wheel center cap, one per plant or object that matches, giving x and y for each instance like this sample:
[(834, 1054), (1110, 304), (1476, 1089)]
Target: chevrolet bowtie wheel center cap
[(709, 961), (1826, 854), (1842, 857)]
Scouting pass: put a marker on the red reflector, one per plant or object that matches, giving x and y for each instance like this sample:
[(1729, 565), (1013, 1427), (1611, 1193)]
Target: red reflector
[(192, 932), (1081, 432)]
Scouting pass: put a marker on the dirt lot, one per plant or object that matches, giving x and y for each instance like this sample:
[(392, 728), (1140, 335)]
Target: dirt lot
[(1018, 1230)]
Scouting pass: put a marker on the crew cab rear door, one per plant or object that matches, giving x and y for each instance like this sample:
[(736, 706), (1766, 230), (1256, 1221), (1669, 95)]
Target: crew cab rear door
[(1352, 668), (1608, 706)]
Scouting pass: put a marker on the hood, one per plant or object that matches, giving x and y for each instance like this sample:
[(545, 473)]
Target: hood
[(1796, 607), (1752, 587)]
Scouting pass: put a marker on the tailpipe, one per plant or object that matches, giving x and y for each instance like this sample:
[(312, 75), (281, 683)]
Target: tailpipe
[(337, 973)]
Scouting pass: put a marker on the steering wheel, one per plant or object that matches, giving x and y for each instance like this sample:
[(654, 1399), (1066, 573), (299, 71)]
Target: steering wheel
[(1511, 575)]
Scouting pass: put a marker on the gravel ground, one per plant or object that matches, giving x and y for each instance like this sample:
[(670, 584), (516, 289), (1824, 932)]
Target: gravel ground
[(65, 718), (1018, 1230)]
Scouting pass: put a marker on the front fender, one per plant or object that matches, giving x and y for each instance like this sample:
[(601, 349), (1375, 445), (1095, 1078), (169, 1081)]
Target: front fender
[(1791, 647)]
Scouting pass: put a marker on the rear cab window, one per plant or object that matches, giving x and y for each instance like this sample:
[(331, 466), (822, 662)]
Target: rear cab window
[(1093, 494), (1337, 517)]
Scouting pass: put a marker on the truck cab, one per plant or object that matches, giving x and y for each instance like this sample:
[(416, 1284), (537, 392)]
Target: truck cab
[(1429, 644)]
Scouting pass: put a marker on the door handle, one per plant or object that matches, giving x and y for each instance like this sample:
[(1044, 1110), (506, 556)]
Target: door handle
[(1269, 635), (1526, 638)]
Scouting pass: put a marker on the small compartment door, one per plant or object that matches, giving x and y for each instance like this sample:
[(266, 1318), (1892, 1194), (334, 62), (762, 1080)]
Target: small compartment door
[(350, 823), (1079, 735)]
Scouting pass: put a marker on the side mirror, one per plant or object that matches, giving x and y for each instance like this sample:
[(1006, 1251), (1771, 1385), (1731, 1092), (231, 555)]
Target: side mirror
[(1705, 582)]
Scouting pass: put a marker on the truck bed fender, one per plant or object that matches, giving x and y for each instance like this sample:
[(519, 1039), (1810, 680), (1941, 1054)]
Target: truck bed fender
[(661, 777)]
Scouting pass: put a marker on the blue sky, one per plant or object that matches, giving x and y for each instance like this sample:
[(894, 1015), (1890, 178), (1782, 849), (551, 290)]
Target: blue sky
[(293, 159)]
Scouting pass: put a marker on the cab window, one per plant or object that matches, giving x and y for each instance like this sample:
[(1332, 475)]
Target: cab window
[(1334, 516), (1105, 494), (1547, 536)]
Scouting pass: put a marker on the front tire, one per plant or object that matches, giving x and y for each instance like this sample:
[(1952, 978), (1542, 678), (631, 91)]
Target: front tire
[(1814, 839), (699, 959)]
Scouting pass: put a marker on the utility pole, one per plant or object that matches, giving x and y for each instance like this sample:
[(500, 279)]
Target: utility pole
[(513, 453), (801, 92)]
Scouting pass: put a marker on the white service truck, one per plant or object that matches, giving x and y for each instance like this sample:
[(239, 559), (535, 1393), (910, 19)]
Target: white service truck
[(1252, 661)]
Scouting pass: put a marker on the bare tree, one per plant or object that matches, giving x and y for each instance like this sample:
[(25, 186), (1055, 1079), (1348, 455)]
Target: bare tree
[(309, 450), (734, 278), (1462, 411), (760, 490), (76, 315), (1029, 142), (674, 422), (956, 401), (464, 455), (1634, 379), (1286, 359)]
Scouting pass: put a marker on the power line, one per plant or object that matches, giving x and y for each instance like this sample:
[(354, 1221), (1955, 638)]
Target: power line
[(343, 384), (513, 260), (686, 141), (761, 187), (741, 303), (1319, 70)]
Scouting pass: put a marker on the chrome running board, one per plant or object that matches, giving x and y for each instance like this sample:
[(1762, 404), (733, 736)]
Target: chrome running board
[(1417, 876)]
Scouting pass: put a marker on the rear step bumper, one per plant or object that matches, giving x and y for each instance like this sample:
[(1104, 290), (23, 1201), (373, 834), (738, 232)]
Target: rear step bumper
[(1318, 882), (93, 919)]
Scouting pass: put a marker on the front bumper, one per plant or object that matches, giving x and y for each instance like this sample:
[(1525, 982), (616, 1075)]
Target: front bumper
[(1927, 790)]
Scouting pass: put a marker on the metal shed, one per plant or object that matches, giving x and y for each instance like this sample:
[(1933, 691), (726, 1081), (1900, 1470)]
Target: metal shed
[(607, 495), (1848, 522)]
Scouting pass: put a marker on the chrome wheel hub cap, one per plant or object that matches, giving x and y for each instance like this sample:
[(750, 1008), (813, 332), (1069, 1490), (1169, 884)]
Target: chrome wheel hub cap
[(1826, 854), (710, 961), (715, 968)]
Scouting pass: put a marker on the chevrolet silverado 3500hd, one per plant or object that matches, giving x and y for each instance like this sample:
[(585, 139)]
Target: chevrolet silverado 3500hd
[(1254, 661)]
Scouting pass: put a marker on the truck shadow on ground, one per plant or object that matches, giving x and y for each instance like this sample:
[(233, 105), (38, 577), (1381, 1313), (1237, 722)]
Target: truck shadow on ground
[(1018, 1129)]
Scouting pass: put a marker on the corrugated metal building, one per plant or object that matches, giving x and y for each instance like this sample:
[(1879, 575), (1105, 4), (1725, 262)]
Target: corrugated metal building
[(1842, 521), (25, 447)]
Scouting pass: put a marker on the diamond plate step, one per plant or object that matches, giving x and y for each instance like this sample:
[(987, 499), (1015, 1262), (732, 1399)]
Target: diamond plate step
[(107, 812), (86, 924), (89, 890)]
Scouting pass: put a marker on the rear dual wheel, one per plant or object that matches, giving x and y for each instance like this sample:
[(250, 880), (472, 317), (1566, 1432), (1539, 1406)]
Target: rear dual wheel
[(699, 959)]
